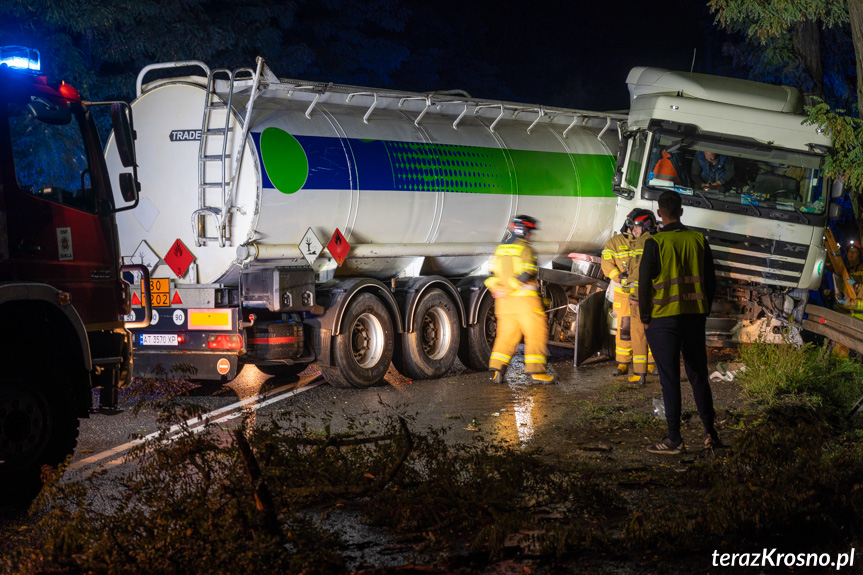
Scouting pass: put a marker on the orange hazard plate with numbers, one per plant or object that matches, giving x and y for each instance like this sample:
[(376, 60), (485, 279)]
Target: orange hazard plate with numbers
[(160, 291)]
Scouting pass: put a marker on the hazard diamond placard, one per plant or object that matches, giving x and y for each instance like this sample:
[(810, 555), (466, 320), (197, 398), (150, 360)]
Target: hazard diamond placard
[(179, 258), (338, 247), (310, 246)]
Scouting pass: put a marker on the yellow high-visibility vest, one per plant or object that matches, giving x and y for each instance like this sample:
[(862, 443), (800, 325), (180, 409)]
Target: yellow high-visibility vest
[(679, 287)]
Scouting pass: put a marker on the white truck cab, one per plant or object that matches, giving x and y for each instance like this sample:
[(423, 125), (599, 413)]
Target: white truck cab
[(762, 203)]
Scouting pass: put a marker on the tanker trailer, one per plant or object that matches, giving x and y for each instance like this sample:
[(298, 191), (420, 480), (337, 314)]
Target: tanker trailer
[(245, 177)]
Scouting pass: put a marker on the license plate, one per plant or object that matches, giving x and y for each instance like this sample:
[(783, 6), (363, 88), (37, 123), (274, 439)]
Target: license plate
[(158, 339)]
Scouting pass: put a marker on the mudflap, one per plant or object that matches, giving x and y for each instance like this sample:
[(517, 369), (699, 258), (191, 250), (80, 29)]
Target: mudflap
[(591, 328), (217, 366)]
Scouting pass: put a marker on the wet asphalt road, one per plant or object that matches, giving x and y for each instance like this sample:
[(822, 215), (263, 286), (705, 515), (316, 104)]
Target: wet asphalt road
[(465, 402)]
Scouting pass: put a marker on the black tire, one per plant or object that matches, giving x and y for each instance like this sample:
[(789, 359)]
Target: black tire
[(283, 370), (430, 350), (478, 339), (557, 298), (363, 351), (36, 428)]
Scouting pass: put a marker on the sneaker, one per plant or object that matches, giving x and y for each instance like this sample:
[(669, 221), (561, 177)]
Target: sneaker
[(542, 378), (497, 376), (712, 441), (667, 447), (637, 379), (622, 369)]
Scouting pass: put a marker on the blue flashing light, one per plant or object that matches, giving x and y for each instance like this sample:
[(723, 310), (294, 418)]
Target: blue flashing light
[(20, 58)]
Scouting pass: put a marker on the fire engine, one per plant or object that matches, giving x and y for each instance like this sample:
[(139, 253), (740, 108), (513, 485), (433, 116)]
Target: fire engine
[(62, 296)]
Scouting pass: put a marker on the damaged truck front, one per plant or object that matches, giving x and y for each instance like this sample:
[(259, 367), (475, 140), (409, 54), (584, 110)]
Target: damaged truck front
[(765, 221)]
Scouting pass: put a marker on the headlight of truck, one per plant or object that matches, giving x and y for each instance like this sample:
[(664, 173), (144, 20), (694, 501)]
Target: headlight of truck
[(818, 268)]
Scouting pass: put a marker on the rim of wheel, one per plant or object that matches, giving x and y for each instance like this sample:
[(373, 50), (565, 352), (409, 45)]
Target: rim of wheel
[(490, 324), (435, 333), (367, 340)]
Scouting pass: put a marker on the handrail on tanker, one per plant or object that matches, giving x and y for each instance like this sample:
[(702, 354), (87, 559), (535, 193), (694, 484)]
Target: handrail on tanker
[(139, 83), (372, 107)]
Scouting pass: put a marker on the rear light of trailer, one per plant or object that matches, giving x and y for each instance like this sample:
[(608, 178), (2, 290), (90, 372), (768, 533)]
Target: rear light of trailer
[(181, 338), (224, 341)]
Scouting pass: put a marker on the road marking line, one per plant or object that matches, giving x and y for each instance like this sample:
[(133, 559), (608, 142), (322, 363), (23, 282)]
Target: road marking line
[(200, 420)]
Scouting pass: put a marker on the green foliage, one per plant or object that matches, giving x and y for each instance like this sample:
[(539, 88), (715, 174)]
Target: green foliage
[(791, 472), (845, 160), (200, 502), (767, 19), (809, 373), (794, 467)]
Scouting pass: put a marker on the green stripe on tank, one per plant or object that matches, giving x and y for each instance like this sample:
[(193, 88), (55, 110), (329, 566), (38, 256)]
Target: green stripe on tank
[(319, 163)]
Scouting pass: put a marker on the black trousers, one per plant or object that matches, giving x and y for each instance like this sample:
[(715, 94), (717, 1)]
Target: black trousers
[(669, 337)]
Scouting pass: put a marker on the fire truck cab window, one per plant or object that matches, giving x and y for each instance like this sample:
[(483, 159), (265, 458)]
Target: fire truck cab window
[(50, 156)]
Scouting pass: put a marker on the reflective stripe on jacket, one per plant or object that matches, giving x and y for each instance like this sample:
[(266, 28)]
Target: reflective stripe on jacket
[(514, 269), (665, 170), (616, 255), (679, 287), (637, 252)]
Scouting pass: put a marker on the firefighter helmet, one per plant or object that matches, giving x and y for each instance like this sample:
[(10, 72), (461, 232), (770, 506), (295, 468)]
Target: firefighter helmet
[(640, 217), (520, 226)]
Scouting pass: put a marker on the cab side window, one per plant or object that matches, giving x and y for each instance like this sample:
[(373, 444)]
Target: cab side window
[(51, 160), (636, 160)]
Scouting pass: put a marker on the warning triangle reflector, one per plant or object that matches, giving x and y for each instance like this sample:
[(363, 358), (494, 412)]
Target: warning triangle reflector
[(135, 299), (176, 299)]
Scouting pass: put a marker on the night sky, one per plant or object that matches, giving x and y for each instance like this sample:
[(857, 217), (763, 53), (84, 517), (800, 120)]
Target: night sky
[(573, 54)]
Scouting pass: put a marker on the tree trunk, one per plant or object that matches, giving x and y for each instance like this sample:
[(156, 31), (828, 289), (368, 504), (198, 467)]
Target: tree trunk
[(855, 11), (806, 39)]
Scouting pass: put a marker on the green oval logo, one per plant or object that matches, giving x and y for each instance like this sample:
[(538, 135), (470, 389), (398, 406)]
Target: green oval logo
[(284, 160)]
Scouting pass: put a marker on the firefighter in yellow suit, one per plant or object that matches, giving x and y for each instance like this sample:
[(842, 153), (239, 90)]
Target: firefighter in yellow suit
[(518, 305), (643, 227), (616, 256)]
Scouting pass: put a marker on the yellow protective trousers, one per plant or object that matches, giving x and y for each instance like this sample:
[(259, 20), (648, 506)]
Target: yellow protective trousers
[(641, 356), (622, 339), (517, 317)]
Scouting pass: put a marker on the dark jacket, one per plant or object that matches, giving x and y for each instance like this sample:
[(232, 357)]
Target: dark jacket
[(705, 172)]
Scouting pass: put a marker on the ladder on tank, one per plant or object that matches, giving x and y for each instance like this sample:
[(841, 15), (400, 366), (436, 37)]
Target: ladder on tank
[(217, 135)]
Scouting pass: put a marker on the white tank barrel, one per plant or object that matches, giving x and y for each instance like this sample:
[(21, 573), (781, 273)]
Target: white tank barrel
[(437, 175)]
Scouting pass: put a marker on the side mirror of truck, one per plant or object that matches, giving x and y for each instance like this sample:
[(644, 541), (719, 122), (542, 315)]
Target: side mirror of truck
[(838, 189), (129, 187), (124, 134)]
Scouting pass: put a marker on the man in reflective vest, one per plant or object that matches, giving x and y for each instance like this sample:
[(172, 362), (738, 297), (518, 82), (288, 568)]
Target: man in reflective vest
[(675, 291), (517, 304), (616, 255)]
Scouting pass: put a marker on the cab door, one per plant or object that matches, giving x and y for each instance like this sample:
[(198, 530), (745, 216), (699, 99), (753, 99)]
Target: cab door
[(59, 232)]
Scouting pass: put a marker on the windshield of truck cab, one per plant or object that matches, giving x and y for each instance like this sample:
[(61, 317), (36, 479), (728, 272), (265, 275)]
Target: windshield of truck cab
[(736, 172), (50, 157)]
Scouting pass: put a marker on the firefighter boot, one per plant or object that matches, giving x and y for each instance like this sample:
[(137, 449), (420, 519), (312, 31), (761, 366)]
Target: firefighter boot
[(542, 378), (637, 379), (622, 369), (497, 375), (651, 368)]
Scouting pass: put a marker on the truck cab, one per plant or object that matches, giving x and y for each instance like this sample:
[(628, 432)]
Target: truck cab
[(749, 171), (62, 297)]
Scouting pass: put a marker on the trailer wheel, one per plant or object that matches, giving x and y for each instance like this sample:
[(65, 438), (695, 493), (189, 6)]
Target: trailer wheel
[(363, 350), (37, 427), (430, 350), (475, 349)]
